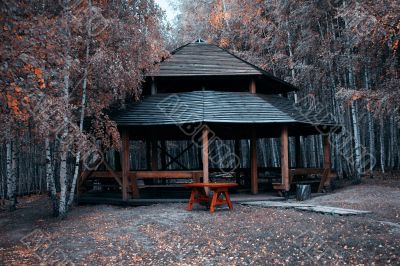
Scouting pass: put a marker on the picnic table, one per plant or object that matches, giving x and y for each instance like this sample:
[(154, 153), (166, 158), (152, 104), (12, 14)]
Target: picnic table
[(219, 190)]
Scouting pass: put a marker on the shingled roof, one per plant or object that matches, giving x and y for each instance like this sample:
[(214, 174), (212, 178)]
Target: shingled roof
[(215, 107), (200, 59)]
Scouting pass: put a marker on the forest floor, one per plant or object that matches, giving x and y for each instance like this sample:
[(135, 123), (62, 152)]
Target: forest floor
[(166, 234)]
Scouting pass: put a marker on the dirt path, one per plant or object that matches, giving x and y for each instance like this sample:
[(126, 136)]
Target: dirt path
[(166, 234)]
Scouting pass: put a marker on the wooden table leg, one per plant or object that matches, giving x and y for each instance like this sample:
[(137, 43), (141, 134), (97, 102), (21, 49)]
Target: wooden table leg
[(228, 200), (202, 197), (213, 201), (220, 196), (192, 199)]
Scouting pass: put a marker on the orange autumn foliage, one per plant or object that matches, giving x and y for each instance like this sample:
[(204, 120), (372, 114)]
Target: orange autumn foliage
[(224, 42), (12, 103), (38, 72), (356, 96), (18, 89)]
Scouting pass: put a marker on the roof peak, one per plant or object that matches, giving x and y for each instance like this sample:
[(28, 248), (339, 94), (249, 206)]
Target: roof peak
[(199, 40)]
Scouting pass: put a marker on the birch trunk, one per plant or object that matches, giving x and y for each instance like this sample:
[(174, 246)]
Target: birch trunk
[(83, 106), (313, 152), (274, 153), (14, 172), (62, 210), (371, 129), (51, 186), (11, 175), (392, 146), (226, 17), (62, 204), (382, 143), (357, 144)]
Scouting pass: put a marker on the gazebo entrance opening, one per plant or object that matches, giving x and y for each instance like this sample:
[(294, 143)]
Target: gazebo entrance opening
[(211, 160)]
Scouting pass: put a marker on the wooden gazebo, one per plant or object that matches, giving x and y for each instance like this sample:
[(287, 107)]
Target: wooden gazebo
[(202, 92)]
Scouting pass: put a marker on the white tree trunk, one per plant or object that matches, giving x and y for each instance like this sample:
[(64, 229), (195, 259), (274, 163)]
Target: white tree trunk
[(357, 143), (371, 130), (83, 106), (62, 204), (11, 175), (382, 143), (62, 210), (392, 143), (51, 186), (274, 153)]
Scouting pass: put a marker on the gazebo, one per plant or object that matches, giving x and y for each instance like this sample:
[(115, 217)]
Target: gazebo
[(202, 93)]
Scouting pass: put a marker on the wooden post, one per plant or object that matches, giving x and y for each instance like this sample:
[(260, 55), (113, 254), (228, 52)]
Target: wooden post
[(125, 163), (252, 86), (285, 158), (205, 154), (325, 179), (327, 152), (200, 153), (253, 162)]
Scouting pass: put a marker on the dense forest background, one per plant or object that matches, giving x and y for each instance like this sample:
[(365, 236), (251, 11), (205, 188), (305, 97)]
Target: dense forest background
[(65, 64)]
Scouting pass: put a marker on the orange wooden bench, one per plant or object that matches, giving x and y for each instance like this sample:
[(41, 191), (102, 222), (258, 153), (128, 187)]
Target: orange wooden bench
[(199, 195)]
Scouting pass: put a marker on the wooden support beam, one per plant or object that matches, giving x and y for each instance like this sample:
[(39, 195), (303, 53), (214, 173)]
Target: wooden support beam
[(199, 153), (327, 153), (113, 173), (252, 86), (285, 158), (87, 173), (205, 154), (164, 174), (125, 165), (173, 159), (84, 175), (168, 174), (326, 176), (253, 162)]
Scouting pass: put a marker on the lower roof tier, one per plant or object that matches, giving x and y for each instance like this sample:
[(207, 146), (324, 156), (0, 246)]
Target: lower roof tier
[(218, 107)]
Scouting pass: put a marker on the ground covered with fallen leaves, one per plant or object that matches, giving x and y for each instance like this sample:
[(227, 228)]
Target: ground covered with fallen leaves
[(167, 234)]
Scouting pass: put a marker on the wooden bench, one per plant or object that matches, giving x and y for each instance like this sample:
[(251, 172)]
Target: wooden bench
[(166, 174), (173, 174), (134, 175), (199, 195)]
